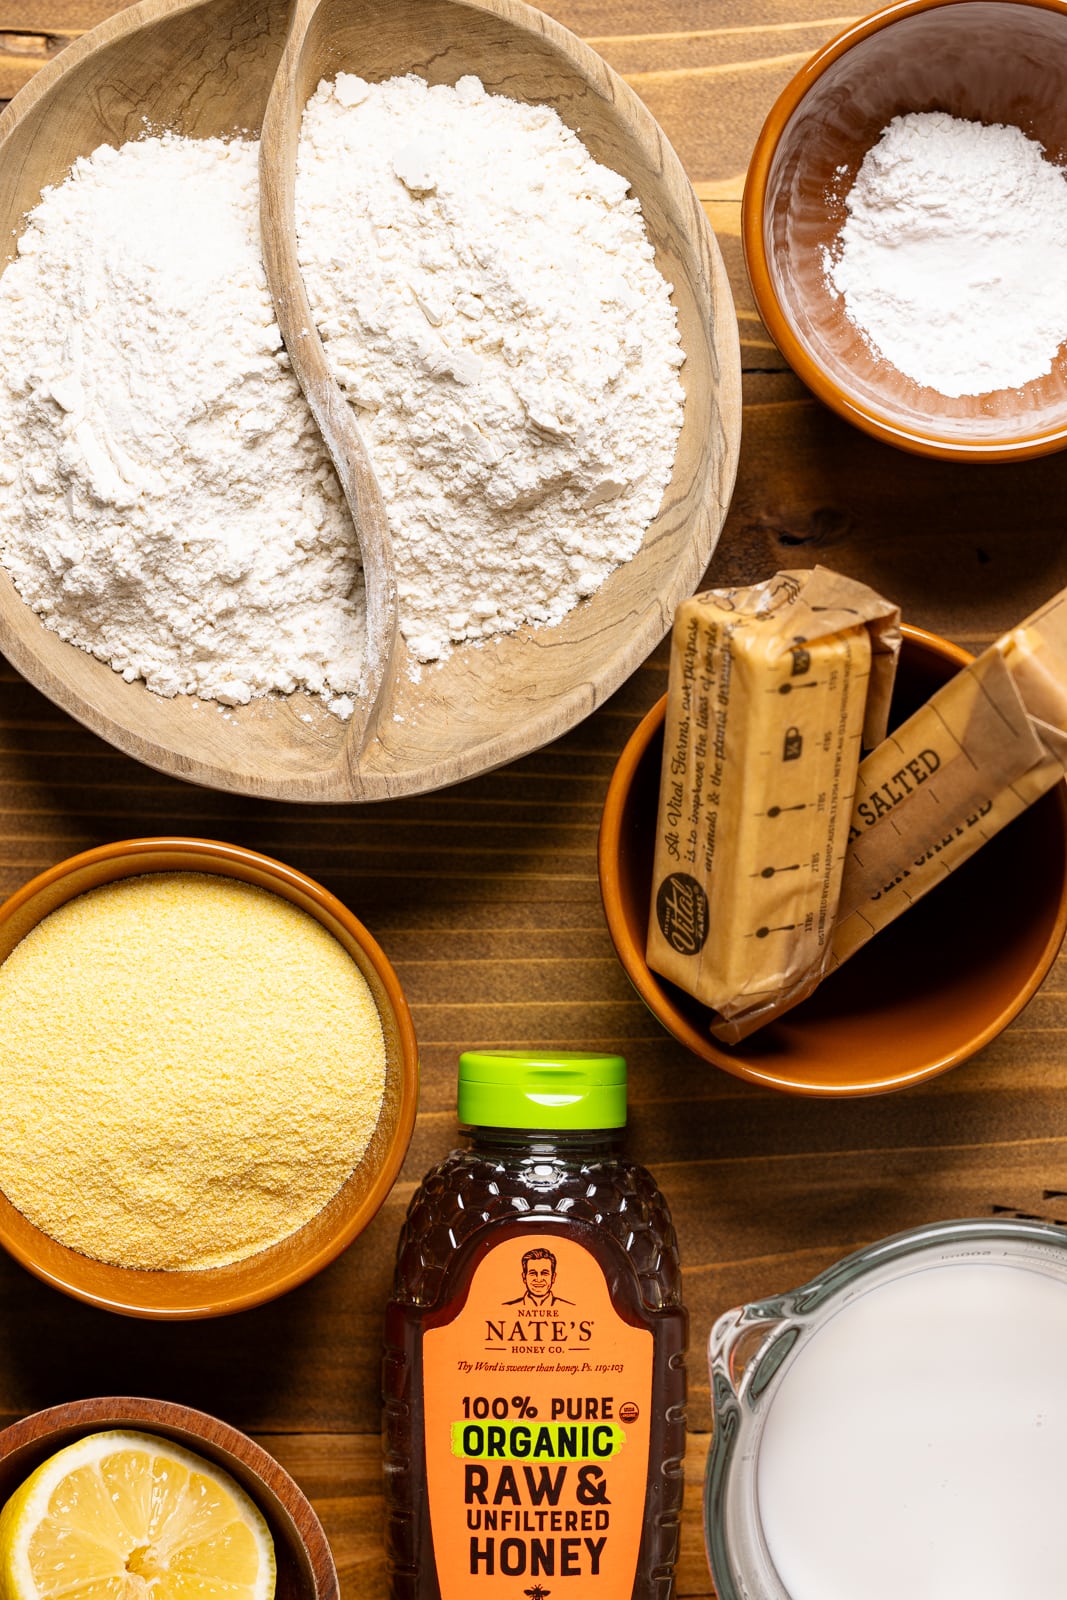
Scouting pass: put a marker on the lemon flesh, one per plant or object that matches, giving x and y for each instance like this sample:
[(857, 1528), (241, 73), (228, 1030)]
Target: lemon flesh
[(127, 1516)]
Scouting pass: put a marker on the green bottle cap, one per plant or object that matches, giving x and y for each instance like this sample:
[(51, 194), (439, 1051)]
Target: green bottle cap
[(559, 1089)]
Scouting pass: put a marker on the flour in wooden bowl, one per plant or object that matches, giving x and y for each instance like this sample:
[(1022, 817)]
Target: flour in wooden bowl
[(166, 502), (190, 1068), (489, 301)]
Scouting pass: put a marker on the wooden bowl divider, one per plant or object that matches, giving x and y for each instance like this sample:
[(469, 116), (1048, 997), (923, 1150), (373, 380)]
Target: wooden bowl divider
[(306, 1569), (334, 416), (205, 67)]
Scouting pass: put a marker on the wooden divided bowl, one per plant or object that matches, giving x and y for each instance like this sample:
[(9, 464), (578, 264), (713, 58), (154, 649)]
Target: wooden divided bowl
[(204, 68)]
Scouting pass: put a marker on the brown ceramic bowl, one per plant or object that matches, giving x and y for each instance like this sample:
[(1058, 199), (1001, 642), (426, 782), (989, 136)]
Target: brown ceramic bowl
[(261, 1277), (306, 1569), (984, 60), (925, 994)]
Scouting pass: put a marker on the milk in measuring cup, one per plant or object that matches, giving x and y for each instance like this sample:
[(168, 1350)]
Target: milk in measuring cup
[(917, 1444)]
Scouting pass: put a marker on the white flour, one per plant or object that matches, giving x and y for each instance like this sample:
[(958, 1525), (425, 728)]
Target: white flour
[(953, 260), (165, 500), (489, 301)]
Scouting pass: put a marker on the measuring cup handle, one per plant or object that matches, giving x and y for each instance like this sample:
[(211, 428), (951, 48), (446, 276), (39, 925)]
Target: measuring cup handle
[(735, 1340)]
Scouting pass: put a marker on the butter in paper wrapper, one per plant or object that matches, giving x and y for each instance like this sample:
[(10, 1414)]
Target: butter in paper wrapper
[(986, 746), (773, 691)]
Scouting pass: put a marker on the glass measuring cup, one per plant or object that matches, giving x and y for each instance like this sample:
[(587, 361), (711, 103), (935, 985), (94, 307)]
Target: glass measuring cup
[(754, 1349)]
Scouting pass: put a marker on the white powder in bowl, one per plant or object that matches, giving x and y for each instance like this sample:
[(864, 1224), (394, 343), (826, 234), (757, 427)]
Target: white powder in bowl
[(166, 501), (489, 301), (953, 258)]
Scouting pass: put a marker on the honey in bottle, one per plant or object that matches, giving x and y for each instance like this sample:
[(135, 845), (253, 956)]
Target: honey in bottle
[(534, 1368)]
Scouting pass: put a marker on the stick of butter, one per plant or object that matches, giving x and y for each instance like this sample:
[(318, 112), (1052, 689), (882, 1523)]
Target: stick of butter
[(988, 744), (772, 692)]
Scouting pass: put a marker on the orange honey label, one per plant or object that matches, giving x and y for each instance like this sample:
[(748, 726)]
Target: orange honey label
[(537, 1399)]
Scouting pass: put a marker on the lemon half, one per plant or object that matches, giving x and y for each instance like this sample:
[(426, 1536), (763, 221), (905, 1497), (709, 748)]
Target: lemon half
[(127, 1516)]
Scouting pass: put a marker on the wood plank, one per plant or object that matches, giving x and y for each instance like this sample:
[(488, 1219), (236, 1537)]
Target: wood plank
[(708, 86), (60, 18), (722, 205), (342, 1477), (22, 55), (967, 551)]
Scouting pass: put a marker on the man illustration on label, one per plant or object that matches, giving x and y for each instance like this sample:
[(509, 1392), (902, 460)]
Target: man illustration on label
[(538, 1274)]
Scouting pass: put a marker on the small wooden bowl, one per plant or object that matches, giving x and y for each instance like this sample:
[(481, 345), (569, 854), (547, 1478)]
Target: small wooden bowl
[(306, 1568), (205, 67), (924, 995), (218, 1291), (984, 60)]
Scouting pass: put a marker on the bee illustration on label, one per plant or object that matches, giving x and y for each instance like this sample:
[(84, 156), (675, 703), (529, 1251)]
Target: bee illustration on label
[(793, 744)]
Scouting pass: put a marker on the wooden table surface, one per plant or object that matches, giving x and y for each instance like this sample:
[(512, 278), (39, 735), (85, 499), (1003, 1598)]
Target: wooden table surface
[(485, 896)]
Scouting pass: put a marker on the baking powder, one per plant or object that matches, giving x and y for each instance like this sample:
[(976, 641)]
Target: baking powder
[(489, 301), (953, 260)]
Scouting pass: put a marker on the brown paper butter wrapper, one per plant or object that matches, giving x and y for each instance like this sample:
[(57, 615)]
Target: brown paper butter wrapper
[(773, 692), (987, 745)]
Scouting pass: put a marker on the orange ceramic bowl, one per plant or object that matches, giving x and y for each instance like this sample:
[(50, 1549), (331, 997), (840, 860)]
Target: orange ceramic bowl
[(306, 1568), (984, 60), (219, 1290), (926, 993)]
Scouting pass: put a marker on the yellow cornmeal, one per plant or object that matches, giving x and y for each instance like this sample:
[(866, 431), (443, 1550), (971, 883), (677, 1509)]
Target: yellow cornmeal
[(190, 1067)]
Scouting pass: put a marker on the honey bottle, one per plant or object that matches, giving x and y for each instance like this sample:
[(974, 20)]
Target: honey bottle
[(534, 1370)]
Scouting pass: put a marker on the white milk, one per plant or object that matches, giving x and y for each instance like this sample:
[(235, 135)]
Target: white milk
[(917, 1447)]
